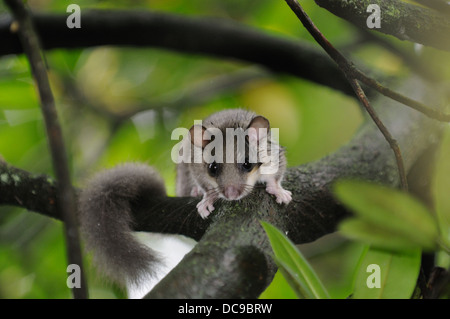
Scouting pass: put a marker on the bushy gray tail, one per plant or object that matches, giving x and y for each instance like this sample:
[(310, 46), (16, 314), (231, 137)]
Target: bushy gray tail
[(106, 221)]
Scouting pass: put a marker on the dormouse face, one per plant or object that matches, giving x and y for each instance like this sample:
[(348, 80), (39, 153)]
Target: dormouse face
[(229, 156), (235, 179)]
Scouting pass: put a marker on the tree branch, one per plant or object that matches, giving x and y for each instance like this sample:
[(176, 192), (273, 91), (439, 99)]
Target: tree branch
[(39, 193), (387, 135), (398, 18), (209, 36), (65, 200), (34, 192), (352, 72), (348, 69)]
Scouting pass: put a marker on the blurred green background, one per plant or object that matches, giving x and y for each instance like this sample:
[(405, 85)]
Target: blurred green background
[(93, 87)]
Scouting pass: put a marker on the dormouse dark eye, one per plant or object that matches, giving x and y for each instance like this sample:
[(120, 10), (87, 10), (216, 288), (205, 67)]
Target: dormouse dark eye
[(213, 169), (247, 166)]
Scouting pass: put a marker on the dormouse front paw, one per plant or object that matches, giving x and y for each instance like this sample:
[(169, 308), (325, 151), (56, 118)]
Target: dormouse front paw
[(205, 206), (282, 195)]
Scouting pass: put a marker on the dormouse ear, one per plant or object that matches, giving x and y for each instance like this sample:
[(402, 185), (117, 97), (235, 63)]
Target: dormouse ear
[(258, 128), (198, 138)]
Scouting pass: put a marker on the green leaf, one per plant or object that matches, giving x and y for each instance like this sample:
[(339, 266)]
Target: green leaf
[(397, 275), (300, 289), (21, 95), (359, 229), (441, 187), (279, 288), (359, 262), (389, 212), (294, 266)]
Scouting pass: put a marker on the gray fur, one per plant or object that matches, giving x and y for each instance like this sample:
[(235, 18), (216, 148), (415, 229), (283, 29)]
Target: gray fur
[(232, 182), (192, 174), (106, 220)]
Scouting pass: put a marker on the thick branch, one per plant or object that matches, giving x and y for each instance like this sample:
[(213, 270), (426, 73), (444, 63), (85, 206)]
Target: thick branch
[(38, 193), (398, 18), (215, 37), (34, 192)]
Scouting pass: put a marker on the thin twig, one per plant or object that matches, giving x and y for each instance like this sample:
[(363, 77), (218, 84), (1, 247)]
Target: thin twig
[(352, 74), (350, 69), (317, 35), (392, 142), (416, 105), (65, 195)]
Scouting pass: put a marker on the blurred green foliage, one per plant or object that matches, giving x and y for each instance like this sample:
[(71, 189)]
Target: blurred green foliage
[(313, 120)]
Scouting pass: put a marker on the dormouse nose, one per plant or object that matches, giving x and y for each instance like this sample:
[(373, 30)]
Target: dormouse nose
[(231, 192)]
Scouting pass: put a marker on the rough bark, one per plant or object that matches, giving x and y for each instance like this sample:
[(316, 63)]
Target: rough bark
[(400, 19)]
